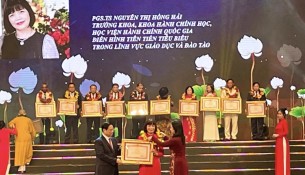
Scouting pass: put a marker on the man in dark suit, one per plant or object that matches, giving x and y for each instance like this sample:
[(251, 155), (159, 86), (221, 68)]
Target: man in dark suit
[(71, 122), (107, 150)]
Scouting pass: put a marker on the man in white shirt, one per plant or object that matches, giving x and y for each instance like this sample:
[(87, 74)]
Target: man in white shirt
[(231, 91)]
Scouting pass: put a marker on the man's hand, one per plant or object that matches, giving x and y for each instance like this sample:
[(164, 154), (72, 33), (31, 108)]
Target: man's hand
[(118, 161)]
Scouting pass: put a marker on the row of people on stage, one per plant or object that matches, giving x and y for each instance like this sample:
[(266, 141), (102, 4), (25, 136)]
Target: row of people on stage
[(211, 132), (107, 148), (26, 133)]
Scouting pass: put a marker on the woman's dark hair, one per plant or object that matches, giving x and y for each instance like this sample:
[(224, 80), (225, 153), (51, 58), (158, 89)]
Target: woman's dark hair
[(139, 84), (2, 124), (283, 111), (188, 88), (230, 79), (177, 125), (115, 84), (16, 5), (105, 126), (256, 83), (93, 85), (163, 91), (150, 122), (212, 87), (71, 84)]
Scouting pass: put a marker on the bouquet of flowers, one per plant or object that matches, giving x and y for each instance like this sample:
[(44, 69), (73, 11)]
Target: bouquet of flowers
[(58, 28)]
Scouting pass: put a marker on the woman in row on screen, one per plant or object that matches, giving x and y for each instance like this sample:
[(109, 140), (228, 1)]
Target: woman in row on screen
[(21, 41), (5, 147), (189, 122), (150, 129), (177, 145), (282, 153), (24, 140), (210, 125)]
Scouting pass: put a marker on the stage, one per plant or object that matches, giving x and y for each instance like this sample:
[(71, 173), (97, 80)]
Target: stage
[(204, 158)]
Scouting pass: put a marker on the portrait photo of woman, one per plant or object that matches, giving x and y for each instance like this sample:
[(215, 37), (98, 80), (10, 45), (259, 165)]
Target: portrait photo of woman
[(21, 40)]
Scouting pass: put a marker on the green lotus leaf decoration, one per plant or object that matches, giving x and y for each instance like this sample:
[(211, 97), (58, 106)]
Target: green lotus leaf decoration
[(127, 116), (63, 118), (199, 90), (297, 112), (267, 90), (301, 92), (175, 116), (218, 92)]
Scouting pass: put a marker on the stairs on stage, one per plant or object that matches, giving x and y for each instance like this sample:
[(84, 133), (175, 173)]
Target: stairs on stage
[(218, 158)]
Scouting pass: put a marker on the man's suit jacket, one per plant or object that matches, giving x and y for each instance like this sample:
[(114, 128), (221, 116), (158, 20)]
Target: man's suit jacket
[(106, 156)]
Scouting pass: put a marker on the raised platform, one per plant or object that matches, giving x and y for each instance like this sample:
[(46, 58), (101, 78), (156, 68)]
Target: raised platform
[(209, 158)]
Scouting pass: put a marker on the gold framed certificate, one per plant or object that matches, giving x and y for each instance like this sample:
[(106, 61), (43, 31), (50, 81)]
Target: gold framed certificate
[(210, 104), (188, 107), (256, 109), (92, 109), (136, 152), (115, 109), (45, 109), (231, 105), (67, 106), (137, 108), (160, 107)]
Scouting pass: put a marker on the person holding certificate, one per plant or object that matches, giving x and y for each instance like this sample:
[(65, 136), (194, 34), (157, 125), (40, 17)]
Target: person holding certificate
[(116, 95), (138, 121), (177, 146), (71, 122), (164, 121), (282, 153), (189, 122), (93, 123), (230, 91), (107, 150), (210, 127), (45, 96), (257, 123), (150, 129)]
